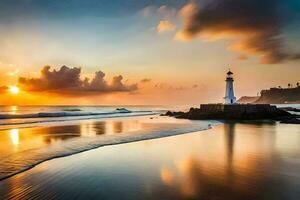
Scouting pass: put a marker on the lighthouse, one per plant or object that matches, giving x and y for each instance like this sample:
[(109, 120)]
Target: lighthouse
[(229, 95)]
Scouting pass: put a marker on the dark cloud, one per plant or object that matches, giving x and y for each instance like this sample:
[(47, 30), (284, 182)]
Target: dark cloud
[(117, 85), (68, 80), (256, 25)]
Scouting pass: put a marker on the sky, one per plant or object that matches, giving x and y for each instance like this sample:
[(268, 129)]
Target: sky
[(144, 52)]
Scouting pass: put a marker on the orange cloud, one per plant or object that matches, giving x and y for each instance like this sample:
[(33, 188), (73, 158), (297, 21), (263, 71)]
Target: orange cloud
[(145, 80), (165, 26)]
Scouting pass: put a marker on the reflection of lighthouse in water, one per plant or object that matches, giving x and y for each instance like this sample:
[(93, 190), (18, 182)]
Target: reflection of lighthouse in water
[(229, 95), (229, 147)]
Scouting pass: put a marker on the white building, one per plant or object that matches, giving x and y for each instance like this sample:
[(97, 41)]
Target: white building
[(229, 94)]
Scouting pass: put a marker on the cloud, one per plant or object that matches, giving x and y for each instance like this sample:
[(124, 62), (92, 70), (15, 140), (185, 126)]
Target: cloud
[(169, 87), (163, 11), (68, 80), (3, 89), (166, 11), (145, 80), (165, 26), (117, 85), (255, 25), (242, 57), (147, 11)]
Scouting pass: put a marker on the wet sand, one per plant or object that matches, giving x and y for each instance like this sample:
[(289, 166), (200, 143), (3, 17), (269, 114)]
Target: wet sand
[(230, 161), (23, 148)]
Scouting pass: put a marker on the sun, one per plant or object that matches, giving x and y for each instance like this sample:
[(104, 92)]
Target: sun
[(14, 89)]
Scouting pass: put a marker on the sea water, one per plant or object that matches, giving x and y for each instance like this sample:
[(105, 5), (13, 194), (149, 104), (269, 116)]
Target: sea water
[(30, 135)]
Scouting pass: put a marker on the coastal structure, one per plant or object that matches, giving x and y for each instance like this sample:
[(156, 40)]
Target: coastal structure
[(229, 94), (230, 110), (233, 112)]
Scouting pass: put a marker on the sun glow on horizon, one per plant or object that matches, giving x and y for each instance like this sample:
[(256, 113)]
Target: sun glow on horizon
[(14, 89)]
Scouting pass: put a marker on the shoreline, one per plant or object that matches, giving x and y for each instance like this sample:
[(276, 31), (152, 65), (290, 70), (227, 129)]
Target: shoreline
[(162, 167), (124, 139)]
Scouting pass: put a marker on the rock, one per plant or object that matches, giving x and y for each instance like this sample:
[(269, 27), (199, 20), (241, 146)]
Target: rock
[(290, 121), (247, 99), (280, 95), (169, 113), (233, 112), (290, 109), (174, 114)]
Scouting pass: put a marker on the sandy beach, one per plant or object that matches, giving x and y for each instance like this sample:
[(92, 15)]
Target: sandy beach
[(149, 99), (25, 147), (229, 161)]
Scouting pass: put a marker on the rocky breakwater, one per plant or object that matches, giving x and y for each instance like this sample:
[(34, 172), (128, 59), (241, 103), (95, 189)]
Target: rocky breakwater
[(237, 112)]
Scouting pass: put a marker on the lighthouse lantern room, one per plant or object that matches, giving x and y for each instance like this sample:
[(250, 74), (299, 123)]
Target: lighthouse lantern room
[(229, 95)]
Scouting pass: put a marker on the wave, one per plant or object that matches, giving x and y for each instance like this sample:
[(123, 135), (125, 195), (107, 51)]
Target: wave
[(63, 114), (27, 123), (72, 109), (20, 162), (8, 121), (71, 119)]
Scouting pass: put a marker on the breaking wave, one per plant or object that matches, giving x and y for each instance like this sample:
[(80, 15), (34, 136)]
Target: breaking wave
[(43, 117)]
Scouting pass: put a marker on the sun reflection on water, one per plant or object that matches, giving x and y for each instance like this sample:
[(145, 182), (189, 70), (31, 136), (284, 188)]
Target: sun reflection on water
[(13, 109), (21, 139), (87, 130), (14, 136)]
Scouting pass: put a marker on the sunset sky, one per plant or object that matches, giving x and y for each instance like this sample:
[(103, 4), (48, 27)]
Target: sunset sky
[(145, 52)]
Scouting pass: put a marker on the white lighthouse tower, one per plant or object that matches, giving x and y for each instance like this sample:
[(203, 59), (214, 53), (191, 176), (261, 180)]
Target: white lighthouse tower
[(229, 95)]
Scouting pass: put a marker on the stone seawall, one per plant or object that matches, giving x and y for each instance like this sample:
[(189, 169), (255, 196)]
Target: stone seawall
[(237, 108), (234, 112)]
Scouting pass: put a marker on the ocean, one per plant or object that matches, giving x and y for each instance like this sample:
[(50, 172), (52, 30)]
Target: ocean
[(30, 135), (231, 160), (25, 116)]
